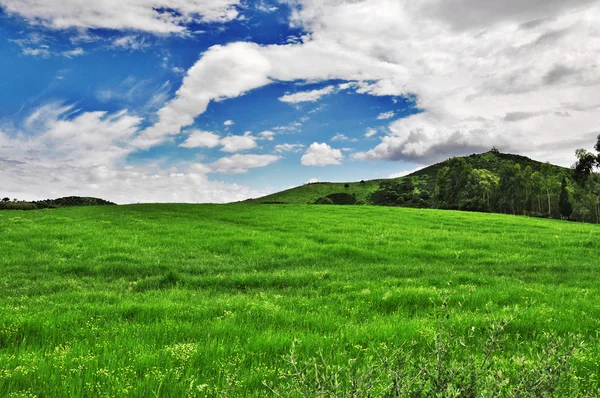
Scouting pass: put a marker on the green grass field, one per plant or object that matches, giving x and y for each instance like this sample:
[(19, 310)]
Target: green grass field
[(295, 300)]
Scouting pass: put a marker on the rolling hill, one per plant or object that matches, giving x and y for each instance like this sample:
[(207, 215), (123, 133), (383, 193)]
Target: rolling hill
[(424, 179)]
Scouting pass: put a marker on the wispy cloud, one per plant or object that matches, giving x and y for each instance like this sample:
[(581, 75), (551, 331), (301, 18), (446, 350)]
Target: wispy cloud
[(307, 96)]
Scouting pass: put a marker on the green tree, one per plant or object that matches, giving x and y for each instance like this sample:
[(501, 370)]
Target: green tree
[(551, 184), (488, 182), (527, 185), (586, 163), (451, 183), (537, 187), (510, 189), (586, 200), (564, 204)]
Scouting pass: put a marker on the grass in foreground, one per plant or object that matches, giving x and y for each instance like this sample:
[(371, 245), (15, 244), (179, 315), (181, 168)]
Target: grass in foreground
[(247, 300)]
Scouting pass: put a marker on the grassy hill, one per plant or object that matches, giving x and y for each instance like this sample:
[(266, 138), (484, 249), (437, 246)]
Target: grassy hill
[(296, 300), (423, 179)]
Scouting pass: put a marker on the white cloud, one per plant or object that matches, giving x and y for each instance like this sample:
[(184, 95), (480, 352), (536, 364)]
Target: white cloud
[(342, 137), (238, 143), (73, 53), (64, 152), (223, 72), (37, 52), (38, 45), (232, 143), (141, 15), (312, 181), (474, 86), (130, 42), (339, 137), (321, 155), (425, 136), (404, 173), (199, 168), (239, 164), (294, 148), (266, 135), (261, 6), (230, 71), (473, 74), (229, 123), (386, 115), (370, 132), (307, 96), (201, 139)]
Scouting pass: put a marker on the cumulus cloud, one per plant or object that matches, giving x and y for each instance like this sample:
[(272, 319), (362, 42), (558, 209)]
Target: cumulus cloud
[(475, 86), (321, 155), (522, 76), (239, 164), (237, 143), (307, 96), (466, 84), (222, 72), (229, 123), (61, 151), (424, 136), (266, 135), (201, 139), (232, 70), (231, 143), (142, 15)]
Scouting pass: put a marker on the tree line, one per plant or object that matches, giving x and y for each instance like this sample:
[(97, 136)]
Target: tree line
[(553, 192)]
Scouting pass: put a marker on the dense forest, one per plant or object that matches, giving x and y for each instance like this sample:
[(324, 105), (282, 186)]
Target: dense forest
[(498, 183), (572, 194)]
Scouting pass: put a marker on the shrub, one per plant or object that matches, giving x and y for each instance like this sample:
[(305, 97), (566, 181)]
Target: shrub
[(323, 201), (341, 198), (455, 364)]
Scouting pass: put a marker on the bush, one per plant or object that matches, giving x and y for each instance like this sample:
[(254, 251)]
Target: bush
[(17, 206), (456, 363), (323, 201), (341, 198)]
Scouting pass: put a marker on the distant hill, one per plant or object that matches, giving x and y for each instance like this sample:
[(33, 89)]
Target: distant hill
[(70, 201), (424, 179)]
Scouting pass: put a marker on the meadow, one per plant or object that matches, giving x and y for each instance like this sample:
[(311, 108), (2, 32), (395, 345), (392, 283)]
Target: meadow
[(235, 300)]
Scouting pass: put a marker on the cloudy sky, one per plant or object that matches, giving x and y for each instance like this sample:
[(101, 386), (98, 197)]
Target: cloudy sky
[(221, 100)]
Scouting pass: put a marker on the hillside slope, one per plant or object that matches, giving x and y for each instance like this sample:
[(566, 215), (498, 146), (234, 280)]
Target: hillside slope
[(424, 179)]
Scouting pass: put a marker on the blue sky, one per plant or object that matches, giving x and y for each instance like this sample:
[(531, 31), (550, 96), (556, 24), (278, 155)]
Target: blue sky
[(220, 100)]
